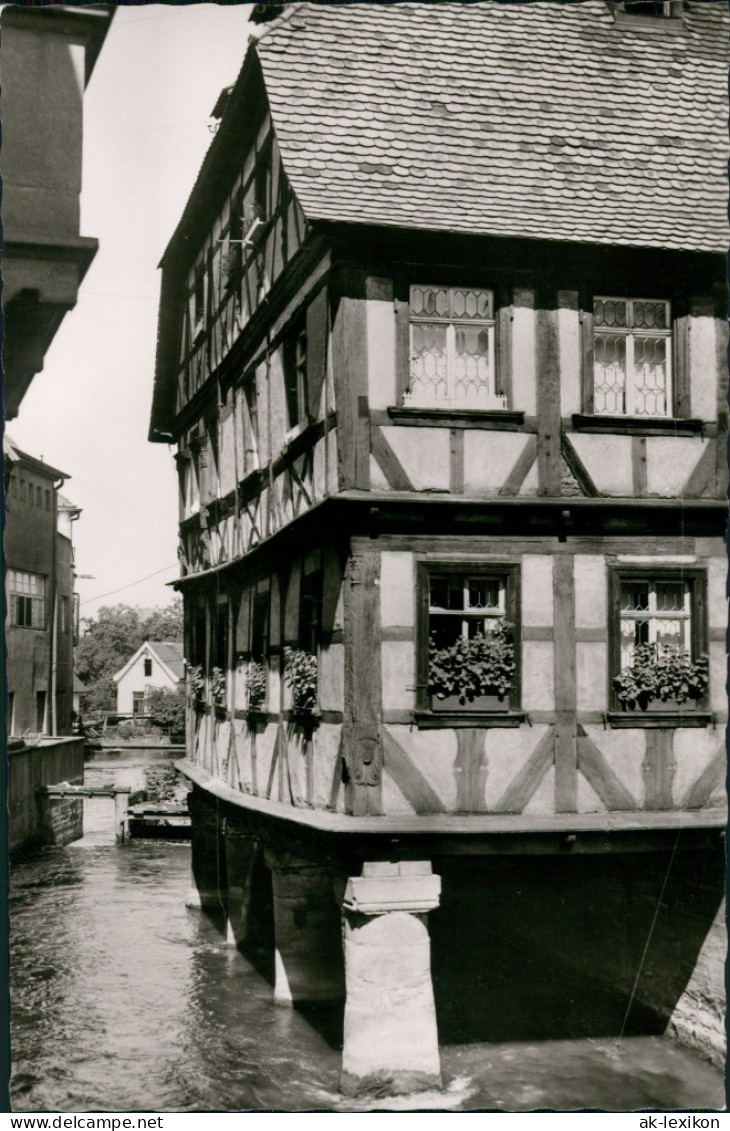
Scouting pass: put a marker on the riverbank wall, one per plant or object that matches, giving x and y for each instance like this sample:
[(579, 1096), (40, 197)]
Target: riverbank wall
[(38, 820)]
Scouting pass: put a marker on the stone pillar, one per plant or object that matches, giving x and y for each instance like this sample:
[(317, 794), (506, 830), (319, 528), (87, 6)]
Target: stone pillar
[(208, 854), (391, 1040), (308, 961), (243, 854)]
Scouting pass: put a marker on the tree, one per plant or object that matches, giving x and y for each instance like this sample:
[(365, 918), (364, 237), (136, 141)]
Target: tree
[(165, 623)]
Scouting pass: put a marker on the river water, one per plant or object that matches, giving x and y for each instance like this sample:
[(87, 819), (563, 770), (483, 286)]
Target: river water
[(123, 999)]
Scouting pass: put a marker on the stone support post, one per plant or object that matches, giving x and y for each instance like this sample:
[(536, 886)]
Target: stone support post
[(242, 857), (308, 951), (208, 855), (121, 819), (391, 1040)]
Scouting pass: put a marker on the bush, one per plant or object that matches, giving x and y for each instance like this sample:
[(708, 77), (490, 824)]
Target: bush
[(166, 708)]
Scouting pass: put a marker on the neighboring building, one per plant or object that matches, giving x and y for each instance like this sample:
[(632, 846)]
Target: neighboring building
[(48, 55), (39, 581), (155, 664), (443, 351)]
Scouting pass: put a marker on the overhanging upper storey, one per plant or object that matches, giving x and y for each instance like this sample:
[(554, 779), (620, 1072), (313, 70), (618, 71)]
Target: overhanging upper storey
[(593, 124)]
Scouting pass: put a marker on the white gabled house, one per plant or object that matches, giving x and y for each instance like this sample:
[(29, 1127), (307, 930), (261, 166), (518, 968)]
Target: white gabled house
[(155, 664)]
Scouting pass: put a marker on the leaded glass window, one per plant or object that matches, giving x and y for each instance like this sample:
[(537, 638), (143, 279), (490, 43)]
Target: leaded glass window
[(464, 605), (632, 357), (654, 612), (452, 349)]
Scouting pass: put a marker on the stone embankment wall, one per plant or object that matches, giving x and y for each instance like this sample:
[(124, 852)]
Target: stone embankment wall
[(33, 820), (698, 1020)]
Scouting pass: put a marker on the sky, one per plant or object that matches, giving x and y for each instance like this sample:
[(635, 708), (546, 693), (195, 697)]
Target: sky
[(146, 130)]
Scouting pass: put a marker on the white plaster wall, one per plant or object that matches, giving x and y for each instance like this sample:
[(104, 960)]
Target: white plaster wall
[(531, 482), (489, 457), (590, 591), (507, 752), (537, 676), (607, 460), (718, 678), (670, 460), (524, 394), (398, 674), (227, 473), (433, 752), (326, 763), (380, 336), (397, 589), (331, 678), (624, 752), (588, 800), (571, 359), (717, 577), (537, 590), (591, 676), (703, 367), (378, 482), (425, 460), (693, 750), (543, 799)]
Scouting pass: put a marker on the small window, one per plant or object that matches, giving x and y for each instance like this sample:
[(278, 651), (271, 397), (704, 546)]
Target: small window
[(658, 641), (48, 500), (26, 599), (468, 640), (138, 702), (22, 490), (649, 7), (260, 627), (295, 374), (40, 711), (261, 188), (199, 648), (39, 496), (234, 258), (147, 667), (452, 349), (632, 357), (64, 614), (199, 298), (310, 612)]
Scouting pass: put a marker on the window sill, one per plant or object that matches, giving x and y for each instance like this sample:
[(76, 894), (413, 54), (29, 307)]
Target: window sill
[(457, 418), (431, 720), (665, 720), (637, 425)]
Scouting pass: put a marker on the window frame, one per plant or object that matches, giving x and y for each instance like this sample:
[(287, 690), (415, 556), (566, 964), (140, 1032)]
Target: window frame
[(311, 602), (501, 321), (33, 603), (294, 362), (511, 713), (696, 578), (678, 355)]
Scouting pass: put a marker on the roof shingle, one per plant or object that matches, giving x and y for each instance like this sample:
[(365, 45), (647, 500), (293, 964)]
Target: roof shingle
[(543, 119)]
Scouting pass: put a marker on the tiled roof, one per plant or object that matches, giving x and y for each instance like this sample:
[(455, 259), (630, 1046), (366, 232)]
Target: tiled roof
[(171, 654), (549, 119)]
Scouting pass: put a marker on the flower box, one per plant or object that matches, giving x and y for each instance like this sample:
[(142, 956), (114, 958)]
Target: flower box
[(474, 673), (479, 704), (662, 677)]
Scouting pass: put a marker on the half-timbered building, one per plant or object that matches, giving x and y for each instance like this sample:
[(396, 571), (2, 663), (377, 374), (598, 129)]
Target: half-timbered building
[(442, 353)]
